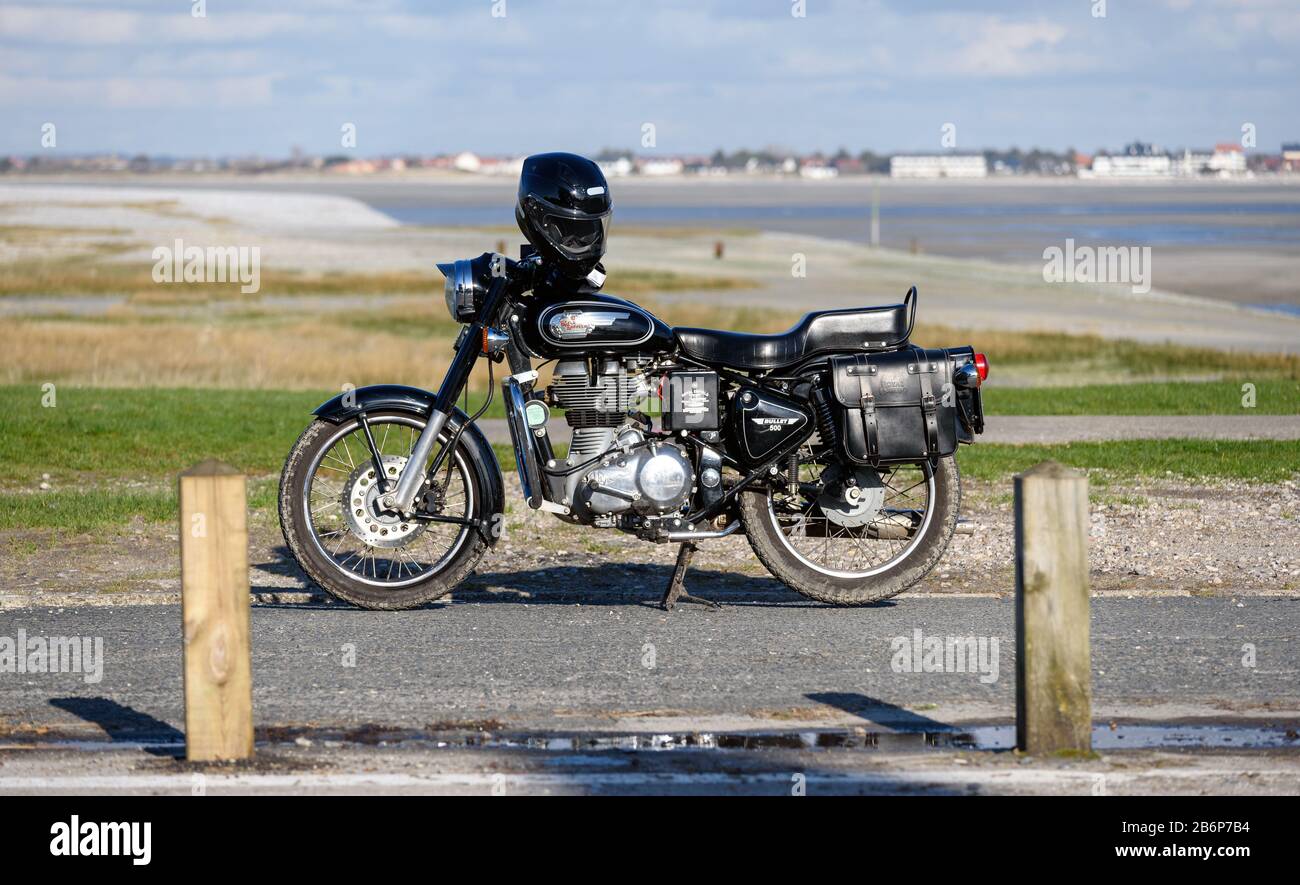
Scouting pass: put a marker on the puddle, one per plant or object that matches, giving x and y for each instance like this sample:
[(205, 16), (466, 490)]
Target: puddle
[(982, 737)]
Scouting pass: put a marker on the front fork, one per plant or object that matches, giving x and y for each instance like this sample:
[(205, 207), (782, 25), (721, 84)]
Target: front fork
[(411, 481), (409, 484)]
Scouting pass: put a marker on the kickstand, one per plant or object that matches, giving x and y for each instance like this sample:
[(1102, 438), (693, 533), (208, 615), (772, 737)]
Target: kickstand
[(676, 591)]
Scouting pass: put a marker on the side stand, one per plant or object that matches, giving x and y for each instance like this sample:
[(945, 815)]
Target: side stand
[(676, 591)]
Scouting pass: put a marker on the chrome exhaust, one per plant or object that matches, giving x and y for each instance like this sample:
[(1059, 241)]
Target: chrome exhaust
[(521, 438)]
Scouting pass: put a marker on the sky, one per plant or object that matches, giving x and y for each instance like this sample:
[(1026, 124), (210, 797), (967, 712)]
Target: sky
[(519, 76)]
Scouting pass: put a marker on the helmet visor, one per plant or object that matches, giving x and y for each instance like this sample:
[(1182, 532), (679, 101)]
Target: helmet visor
[(577, 237)]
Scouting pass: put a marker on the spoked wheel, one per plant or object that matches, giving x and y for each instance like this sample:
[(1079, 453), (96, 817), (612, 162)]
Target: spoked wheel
[(854, 535), (349, 544)]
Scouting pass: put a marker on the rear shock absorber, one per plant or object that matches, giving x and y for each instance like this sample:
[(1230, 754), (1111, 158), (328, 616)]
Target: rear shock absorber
[(792, 475), (826, 429)]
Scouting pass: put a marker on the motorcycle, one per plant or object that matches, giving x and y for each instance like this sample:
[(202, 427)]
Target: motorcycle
[(831, 446)]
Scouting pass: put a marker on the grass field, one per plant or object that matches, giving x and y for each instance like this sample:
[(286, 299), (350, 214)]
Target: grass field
[(138, 433), (1270, 397), (87, 505), (112, 454)]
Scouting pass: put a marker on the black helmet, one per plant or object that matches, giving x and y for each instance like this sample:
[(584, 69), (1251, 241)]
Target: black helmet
[(563, 210)]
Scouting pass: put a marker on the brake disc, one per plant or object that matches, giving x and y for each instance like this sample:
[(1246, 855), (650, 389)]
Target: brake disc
[(367, 519), (851, 504)]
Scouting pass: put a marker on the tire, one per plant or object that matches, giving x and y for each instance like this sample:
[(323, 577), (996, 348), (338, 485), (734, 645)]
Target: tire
[(777, 556), (295, 524)]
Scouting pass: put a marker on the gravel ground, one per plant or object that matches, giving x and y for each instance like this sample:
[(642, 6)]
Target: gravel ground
[(1161, 537)]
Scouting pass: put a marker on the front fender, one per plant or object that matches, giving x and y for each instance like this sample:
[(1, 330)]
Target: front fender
[(374, 398), (401, 398)]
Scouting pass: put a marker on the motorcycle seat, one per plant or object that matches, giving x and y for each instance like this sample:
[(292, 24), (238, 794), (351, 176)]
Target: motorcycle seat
[(854, 329)]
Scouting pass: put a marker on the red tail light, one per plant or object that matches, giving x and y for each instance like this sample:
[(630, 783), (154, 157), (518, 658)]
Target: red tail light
[(982, 366)]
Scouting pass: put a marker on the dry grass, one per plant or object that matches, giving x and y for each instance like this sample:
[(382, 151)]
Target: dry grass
[(1074, 357), (73, 276), (408, 341), (29, 234), (169, 353)]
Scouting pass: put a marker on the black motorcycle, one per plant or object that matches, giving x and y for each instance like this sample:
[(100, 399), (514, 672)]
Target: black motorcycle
[(830, 446)]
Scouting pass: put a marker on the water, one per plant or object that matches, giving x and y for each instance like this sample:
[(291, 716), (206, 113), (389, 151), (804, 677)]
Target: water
[(1288, 309), (992, 229), (979, 737)]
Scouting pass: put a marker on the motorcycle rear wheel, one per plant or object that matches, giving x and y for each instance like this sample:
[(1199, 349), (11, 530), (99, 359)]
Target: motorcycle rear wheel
[(774, 533)]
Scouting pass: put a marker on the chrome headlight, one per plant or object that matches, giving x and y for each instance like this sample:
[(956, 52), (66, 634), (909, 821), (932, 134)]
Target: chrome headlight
[(462, 288)]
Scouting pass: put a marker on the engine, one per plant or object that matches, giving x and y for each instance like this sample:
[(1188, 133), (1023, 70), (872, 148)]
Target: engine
[(633, 474)]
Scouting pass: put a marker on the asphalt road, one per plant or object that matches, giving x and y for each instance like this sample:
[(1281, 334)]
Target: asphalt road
[(579, 660)]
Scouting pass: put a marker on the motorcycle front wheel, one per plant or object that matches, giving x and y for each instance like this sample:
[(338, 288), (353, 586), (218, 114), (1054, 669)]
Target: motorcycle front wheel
[(349, 545), (898, 540)]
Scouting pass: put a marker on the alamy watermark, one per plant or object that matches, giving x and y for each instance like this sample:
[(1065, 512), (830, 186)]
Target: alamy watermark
[(78, 838), (919, 653), (209, 264), (53, 654), (1099, 264)]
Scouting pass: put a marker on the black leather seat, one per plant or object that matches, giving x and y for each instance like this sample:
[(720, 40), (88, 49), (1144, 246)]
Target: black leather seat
[(824, 330)]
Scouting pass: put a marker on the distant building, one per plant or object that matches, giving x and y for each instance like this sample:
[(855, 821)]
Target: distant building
[(817, 171), (1225, 160), (1291, 157), (1193, 163), (511, 166), (938, 166), (1139, 160), (1131, 166), (661, 167), (1228, 159), (352, 167), (617, 168), (467, 161), (850, 166)]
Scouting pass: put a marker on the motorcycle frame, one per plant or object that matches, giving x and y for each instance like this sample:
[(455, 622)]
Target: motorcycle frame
[(497, 303)]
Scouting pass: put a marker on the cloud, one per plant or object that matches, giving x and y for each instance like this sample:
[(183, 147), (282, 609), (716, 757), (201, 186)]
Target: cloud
[(201, 94), (998, 48), (83, 26), (425, 76)]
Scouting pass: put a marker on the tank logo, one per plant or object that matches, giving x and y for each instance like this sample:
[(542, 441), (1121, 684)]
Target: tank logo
[(571, 324)]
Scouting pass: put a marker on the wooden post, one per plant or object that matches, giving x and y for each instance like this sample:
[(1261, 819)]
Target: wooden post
[(719, 248), (1053, 661), (214, 609)]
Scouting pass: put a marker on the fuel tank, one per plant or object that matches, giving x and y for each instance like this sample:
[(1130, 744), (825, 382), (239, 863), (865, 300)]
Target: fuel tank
[(591, 324)]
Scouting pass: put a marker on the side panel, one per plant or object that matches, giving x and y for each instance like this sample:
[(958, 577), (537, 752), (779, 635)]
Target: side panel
[(762, 422), (399, 397)]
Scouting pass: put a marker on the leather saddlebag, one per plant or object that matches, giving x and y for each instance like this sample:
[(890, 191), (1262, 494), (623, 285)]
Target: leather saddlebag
[(895, 406)]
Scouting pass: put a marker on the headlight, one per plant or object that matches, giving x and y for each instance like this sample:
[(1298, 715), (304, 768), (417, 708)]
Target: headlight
[(464, 286)]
